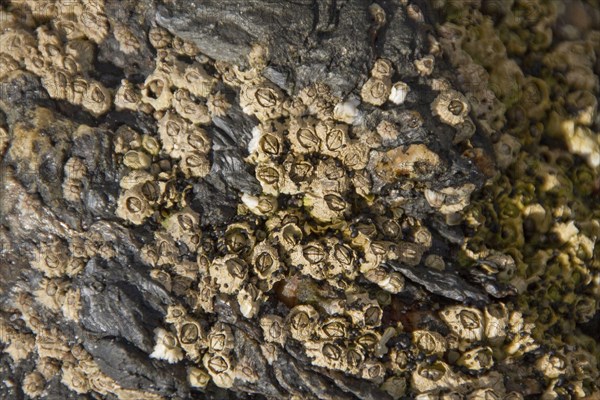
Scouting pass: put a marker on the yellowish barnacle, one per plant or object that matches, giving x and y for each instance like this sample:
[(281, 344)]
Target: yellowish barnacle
[(189, 108), (184, 226), (303, 136), (451, 107), (133, 206), (97, 99), (262, 205), (71, 305), (496, 323), (198, 378), (466, 322), (376, 91), (477, 359), (220, 339), (326, 354), (373, 371), (128, 43), (552, 366), (51, 259), (326, 207), (362, 310), (425, 65), (194, 164), (156, 91), (217, 104), (263, 101), (229, 272), (220, 368), (333, 137), (191, 337), (429, 342), (17, 345), (128, 96), (413, 161), (239, 239), (302, 322), (395, 386), (274, 329), (136, 159), (75, 378), (167, 346)]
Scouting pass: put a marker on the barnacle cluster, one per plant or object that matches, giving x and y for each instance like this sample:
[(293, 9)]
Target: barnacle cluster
[(536, 226), (351, 188)]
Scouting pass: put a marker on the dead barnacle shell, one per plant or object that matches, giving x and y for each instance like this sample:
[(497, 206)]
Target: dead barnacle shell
[(198, 378), (189, 108), (354, 358), (434, 376), (229, 272), (302, 322), (552, 366), (399, 92), (157, 91), (249, 300), (217, 105), (413, 161), (395, 386), (126, 139), (363, 311), (477, 359), (135, 159), (391, 282), (382, 68), (274, 329), (75, 168), (167, 346), (466, 322), (450, 107), (239, 239), (194, 164), (373, 371), (97, 99), (429, 342), (425, 65), (376, 91), (333, 328), (464, 131), (261, 205), (220, 369), (496, 323), (220, 339), (133, 206), (451, 199), (203, 297), (264, 101), (347, 111)]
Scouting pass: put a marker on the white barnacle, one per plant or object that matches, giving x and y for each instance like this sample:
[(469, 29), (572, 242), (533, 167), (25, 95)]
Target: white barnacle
[(167, 346)]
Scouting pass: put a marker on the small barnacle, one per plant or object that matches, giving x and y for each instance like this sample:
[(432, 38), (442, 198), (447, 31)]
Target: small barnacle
[(302, 321), (376, 91), (18, 43), (496, 322), (483, 394), (425, 65), (18, 345), (342, 258), (354, 358), (203, 297), (151, 144), (477, 359), (450, 107), (362, 310), (382, 68), (289, 236), (239, 239), (136, 159), (128, 43), (48, 367), (7, 64), (413, 161), (261, 205), (464, 131), (191, 336), (399, 92), (96, 23), (217, 104), (373, 371), (333, 328), (347, 111), (391, 282), (271, 177), (249, 300), (166, 347), (97, 99), (395, 386), (184, 226), (506, 150), (303, 136), (466, 322), (198, 378), (156, 91), (220, 339), (194, 164), (265, 260), (326, 354), (535, 97), (171, 128), (229, 272), (264, 101), (184, 47), (190, 109), (552, 366), (51, 259), (220, 369), (133, 206), (274, 329), (429, 342), (71, 304), (175, 314), (128, 96), (75, 168), (326, 207), (434, 376), (159, 37)]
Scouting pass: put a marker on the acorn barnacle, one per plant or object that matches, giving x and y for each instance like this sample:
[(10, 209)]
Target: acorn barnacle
[(274, 329), (167, 346), (229, 272), (466, 322), (302, 322), (376, 91), (450, 107), (265, 101)]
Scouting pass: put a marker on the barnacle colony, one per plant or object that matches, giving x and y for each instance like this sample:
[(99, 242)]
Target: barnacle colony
[(349, 189)]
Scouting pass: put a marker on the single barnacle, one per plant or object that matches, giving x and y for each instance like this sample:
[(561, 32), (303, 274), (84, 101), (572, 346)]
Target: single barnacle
[(362, 310), (391, 282), (302, 322), (159, 37), (166, 347), (189, 108), (133, 206), (198, 378), (333, 328), (435, 376), (332, 137), (326, 207), (451, 107), (271, 177), (71, 304), (496, 323), (552, 366), (217, 104), (194, 164), (311, 258), (229, 272), (220, 339), (429, 342), (51, 259), (262, 205), (326, 354), (135, 159), (239, 238), (382, 68), (506, 149), (128, 96), (175, 314), (17, 345), (249, 300), (157, 91), (274, 329), (220, 369), (376, 91), (303, 136), (191, 337), (203, 297), (399, 92), (264, 101), (466, 322), (184, 226), (342, 258), (97, 99), (265, 260), (373, 371), (477, 359), (425, 65), (395, 386)]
